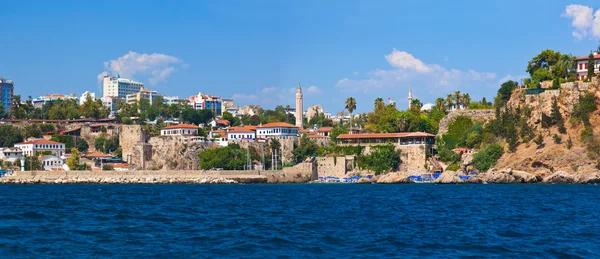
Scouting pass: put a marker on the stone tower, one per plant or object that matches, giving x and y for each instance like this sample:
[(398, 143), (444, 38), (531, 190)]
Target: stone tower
[(409, 98), (299, 107)]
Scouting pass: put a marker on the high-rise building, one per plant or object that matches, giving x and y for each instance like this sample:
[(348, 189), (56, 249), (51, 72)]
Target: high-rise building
[(142, 94), (299, 122), (6, 89), (120, 87)]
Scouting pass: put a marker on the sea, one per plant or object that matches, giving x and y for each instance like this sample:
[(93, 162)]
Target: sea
[(300, 221)]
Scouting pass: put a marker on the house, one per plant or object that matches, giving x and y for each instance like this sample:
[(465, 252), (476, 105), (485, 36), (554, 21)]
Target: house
[(324, 131), (179, 130), (276, 129), (406, 138), (207, 102), (34, 146), (221, 124), (241, 133), (10, 154), (581, 64), (217, 134), (51, 163)]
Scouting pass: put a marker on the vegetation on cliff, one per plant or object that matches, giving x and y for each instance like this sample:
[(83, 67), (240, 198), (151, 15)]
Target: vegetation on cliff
[(381, 159)]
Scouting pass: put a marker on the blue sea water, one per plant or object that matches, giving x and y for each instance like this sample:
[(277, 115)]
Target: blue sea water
[(299, 221)]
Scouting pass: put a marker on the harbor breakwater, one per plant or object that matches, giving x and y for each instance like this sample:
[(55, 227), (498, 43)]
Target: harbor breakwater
[(301, 173)]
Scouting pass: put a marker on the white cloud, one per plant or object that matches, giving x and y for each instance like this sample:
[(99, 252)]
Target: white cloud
[(402, 59), (426, 80), (154, 67), (584, 21), (313, 90)]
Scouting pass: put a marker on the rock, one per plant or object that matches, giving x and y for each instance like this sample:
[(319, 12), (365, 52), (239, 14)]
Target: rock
[(394, 178), (542, 172), (449, 177), (365, 180), (559, 177), (525, 177), (501, 176), (591, 176), (475, 179)]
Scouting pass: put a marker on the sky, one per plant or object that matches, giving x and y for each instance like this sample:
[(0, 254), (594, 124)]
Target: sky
[(257, 52)]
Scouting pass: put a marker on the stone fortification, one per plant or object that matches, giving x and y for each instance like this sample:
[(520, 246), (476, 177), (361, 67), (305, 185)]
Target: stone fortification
[(129, 136), (482, 115), (331, 166)]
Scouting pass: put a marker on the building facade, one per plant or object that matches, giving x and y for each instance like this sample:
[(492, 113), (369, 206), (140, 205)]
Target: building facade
[(111, 103), (170, 100), (240, 133), (207, 102), (6, 89), (32, 147), (581, 64), (120, 87), (179, 130), (10, 154), (144, 93), (50, 163), (85, 95), (50, 98), (276, 129)]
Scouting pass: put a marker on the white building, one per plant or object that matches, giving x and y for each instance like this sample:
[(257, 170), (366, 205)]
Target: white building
[(120, 87), (179, 130), (241, 133), (10, 154), (170, 99), (50, 163), (111, 104), (85, 95), (276, 129), (32, 147), (582, 65)]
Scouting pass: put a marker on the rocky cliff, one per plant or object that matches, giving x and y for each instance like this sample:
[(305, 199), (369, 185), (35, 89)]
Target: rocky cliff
[(482, 115)]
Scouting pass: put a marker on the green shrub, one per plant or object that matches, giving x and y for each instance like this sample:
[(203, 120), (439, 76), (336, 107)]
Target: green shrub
[(454, 166), (381, 159), (487, 157), (569, 143), (557, 139)]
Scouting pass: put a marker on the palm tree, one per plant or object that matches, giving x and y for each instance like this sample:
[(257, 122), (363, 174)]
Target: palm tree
[(350, 106), (466, 99), (449, 101), (287, 112), (439, 103), (458, 99), (378, 103)]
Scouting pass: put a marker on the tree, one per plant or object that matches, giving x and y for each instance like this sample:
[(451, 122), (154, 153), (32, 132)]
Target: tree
[(466, 100), (487, 157), (590, 72), (450, 101), (9, 135), (546, 59), (381, 159), (457, 99), (504, 93), (305, 149), (350, 107), (73, 161), (416, 105), (336, 131), (439, 104), (82, 145)]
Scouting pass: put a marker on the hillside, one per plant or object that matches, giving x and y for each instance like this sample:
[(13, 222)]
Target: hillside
[(552, 157)]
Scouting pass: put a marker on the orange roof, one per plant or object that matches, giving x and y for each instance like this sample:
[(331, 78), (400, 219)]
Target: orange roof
[(325, 129), (384, 135), (224, 122), (250, 127), (39, 141), (182, 126), (587, 57), (220, 132), (277, 125), (98, 154), (240, 130), (303, 131)]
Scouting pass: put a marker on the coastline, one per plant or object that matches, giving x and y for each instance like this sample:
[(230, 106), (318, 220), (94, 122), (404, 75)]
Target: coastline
[(504, 176)]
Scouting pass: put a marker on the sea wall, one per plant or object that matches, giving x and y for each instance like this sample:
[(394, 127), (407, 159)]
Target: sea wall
[(483, 115), (300, 173)]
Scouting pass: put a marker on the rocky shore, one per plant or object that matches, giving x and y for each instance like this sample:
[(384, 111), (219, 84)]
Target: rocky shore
[(503, 176)]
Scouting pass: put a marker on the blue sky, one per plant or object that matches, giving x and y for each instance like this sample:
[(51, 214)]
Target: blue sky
[(258, 51)]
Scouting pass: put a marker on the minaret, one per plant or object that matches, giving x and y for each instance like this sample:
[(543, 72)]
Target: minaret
[(299, 107), (409, 97)]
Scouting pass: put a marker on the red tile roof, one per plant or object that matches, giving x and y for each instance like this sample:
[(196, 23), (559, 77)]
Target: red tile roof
[(587, 57), (241, 130), (303, 131), (384, 135), (182, 126), (325, 129), (98, 154), (277, 125), (224, 122), (39, 141)]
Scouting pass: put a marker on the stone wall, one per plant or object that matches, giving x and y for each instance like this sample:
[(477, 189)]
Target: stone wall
[(303, 172), (130, 135), (331, 166), (483, 115), (414, 158)]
